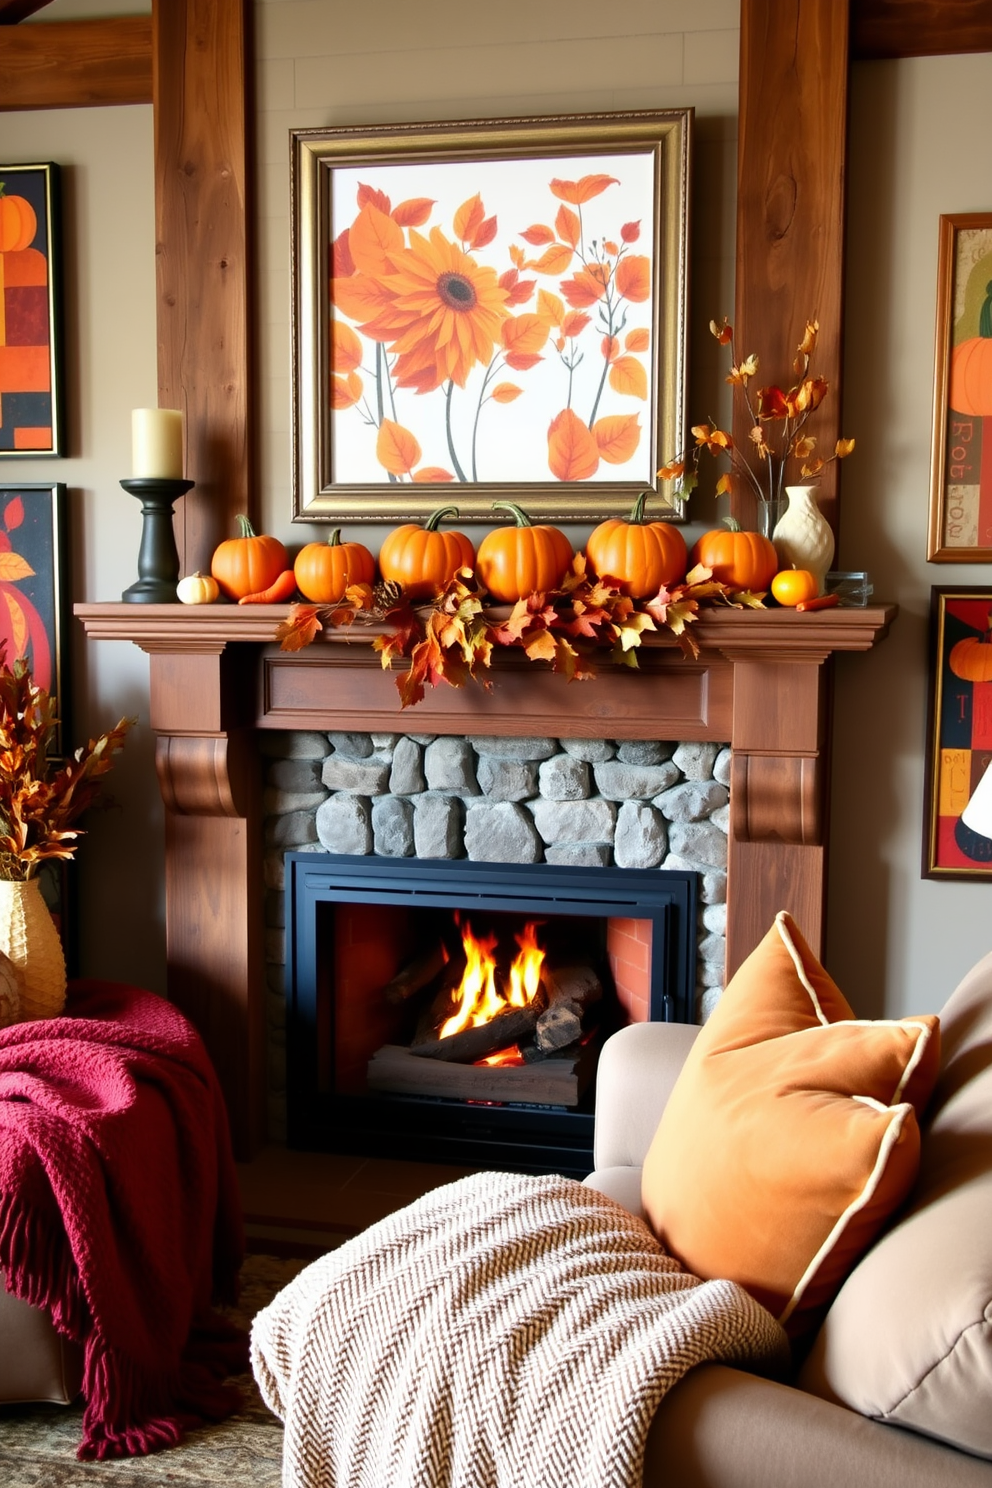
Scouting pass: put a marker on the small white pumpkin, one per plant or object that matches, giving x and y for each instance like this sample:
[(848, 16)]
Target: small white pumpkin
[(197, 588)]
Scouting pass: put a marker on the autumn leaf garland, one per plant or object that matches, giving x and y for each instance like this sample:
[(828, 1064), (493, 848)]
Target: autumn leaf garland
[(453, 639)]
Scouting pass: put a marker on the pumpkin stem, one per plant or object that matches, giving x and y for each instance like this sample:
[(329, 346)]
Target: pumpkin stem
[(732, 524), (637, 513), (245, 529), (443, 511), (522, 519), (334, 541), (985, 314)]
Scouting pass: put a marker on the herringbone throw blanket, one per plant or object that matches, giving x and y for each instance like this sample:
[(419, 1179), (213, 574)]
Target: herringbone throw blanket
[(501, 1332)]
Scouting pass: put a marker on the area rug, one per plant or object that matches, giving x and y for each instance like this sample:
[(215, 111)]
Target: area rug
[(38, 1443)]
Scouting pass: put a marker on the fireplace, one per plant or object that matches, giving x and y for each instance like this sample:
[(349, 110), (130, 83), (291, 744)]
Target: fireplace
[(369, 944)]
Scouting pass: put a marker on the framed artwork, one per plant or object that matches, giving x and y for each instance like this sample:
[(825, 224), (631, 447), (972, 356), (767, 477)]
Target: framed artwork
[(960, 528), (489, 309), (33, 590), (31, 403)]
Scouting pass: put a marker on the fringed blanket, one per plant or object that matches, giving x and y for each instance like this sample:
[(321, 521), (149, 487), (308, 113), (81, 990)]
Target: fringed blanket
[(119, 1209), (501, 1332)]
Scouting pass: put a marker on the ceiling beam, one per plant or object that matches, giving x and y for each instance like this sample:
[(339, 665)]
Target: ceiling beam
[(919, 28), (76, 64)]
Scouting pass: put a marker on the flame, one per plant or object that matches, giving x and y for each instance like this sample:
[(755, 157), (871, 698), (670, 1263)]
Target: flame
[(479, 999), (504, 1057)]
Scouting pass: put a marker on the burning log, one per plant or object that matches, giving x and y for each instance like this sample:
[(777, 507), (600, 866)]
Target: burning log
[(578, 985), (416, 974), (558, 1081), (557, 1027), (475, 1042)]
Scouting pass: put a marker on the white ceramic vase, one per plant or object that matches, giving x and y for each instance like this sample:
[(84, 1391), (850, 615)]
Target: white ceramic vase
[(803, 537), (28, 937)]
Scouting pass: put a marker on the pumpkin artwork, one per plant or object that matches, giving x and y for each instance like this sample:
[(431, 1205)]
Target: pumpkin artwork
[(423, 559), (970, 388), (742, 560), (247, 563), (18, 222), (325, 570), (514, 562), (971, 659), (640, 556)]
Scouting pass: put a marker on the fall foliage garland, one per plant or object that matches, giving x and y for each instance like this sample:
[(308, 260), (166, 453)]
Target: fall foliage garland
[(452, 640)]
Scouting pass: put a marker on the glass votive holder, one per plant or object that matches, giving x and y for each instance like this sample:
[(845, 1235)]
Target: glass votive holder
[(851, 587)]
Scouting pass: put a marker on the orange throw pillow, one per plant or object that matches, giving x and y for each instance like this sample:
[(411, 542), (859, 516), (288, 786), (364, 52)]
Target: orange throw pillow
[(791, 1134)]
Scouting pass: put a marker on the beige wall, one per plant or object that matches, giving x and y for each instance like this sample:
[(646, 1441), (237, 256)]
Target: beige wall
[(920, 131), (896, 941)]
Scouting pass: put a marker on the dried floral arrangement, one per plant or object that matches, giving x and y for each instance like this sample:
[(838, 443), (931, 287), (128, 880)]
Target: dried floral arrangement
[(40, 799), (764, 467), (453, 639)]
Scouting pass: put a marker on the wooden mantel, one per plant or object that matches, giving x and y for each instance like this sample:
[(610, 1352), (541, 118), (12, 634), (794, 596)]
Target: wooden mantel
[(217, 677)]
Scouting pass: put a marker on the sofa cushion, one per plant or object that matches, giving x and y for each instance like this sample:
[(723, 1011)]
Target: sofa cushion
[(791, 1134), (909, 1338)]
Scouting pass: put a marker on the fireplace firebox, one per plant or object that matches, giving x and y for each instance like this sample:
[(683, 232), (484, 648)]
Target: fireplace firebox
[(374, 948)]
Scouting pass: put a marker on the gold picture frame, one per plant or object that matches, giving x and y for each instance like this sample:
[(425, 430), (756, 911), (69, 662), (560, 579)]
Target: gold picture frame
[(960, 526), (489, 309)]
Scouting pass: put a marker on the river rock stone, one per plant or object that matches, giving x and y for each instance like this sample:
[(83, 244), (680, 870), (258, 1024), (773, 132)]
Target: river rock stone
[(501, 832), (449, 766), (593, 751), (437, 826), (721, 765), (701, 841), (406, 778), (579, 855), (641, 840), (618, 781), (691, 800), (696, 759), (352, 746), (507, 780), (392, 827), (575, 821), (514, 749), (344, 824), (564, 778), (644, 752), (363, 777)]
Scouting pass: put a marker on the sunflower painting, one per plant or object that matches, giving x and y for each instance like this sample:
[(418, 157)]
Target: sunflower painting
[(492, 322)]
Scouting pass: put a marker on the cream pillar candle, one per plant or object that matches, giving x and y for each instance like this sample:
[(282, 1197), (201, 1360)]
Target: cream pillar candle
[(157, 443)]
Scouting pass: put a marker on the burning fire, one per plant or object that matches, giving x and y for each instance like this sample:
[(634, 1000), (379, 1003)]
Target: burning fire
[(480, 999)]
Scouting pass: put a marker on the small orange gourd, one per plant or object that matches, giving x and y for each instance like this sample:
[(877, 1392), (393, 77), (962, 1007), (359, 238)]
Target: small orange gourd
[(513, 562), (793, 586), (970, 389), (249, 562), (971, 659), (640, 555), (423, 559), (744, 560), (324, 570), (18, 222)]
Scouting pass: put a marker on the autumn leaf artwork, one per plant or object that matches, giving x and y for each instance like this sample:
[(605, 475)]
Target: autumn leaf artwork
[(492, 322)]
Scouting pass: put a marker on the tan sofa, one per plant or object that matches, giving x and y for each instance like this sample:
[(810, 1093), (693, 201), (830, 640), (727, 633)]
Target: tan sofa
[(896, 1390), (35, 1362)]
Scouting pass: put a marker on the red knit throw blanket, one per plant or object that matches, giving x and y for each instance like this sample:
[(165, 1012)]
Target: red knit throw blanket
[(119, 1209)]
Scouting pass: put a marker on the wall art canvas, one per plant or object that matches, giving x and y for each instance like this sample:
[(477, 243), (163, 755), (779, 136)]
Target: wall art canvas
[(33, 593), (489, 309), (960, 529), (958, 816)]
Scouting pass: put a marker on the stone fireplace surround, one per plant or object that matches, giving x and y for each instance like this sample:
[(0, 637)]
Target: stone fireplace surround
[(217, 680)]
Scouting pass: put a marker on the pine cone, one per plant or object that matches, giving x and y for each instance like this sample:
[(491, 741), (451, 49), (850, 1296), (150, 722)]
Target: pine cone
[(386, 595)]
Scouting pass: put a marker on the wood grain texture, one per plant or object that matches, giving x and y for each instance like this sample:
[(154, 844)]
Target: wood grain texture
[(202, 211), (919, 28), (76, 64), (790, 203)]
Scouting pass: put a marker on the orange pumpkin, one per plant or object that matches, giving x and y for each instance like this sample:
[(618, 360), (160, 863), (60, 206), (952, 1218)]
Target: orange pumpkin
[(513, 562), (641, 556), (249, 562), (324, 570), (791, 586), (970, 389), (971, 659), (18, 222), (423, 559), (744, 560)]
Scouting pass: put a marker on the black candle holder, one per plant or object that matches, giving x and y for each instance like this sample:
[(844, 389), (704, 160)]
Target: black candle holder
[(158, 556)]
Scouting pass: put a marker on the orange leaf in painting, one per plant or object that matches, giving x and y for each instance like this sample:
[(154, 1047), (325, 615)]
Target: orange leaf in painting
[(550, 307), (633, 278), (469, 218), (373, 235), (517, 255), (631, 231), (362, 297), (537, 235), (432, 475), (574, 323), (506, 392), (486, 233), (554, 260), (568, 226), (572, 451), (583, 190), (520, 361), (586, 287), (413, 212), (14, 567), (345, 391), (524, 333), (638, 339), (610, 347), (372, 196), (396, 448), (617, 437), (346, 349), (342, 263), (518, 291), (13, 512), (627, 375)]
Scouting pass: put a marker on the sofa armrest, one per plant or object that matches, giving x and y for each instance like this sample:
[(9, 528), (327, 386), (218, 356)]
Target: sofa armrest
[(638, 1067)]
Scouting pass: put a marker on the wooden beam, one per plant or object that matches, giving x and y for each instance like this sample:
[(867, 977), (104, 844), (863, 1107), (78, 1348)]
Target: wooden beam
[(790, 200), (202, 213), (919, 28), (12, 11), (76, 64)]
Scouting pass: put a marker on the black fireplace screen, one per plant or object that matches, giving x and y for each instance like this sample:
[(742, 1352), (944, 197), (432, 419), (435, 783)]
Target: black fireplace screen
[(385, 1055)]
